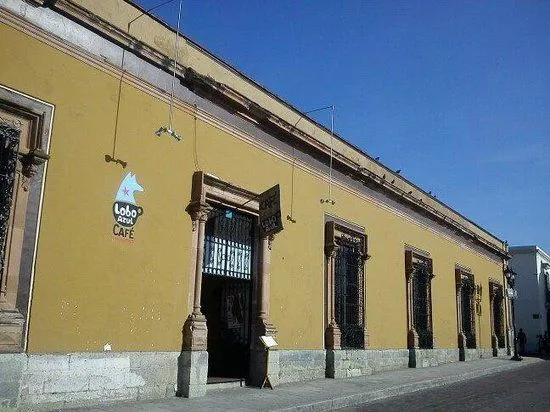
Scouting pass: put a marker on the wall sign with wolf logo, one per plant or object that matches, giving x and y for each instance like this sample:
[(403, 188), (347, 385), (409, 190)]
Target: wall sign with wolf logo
[(125, 209)]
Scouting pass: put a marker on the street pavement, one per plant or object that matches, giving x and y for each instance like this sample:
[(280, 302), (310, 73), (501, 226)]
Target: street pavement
[(327, 394), (526, 389)]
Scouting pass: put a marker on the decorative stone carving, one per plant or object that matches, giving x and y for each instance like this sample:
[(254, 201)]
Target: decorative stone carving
[(333, 336), (195, 333), (206, 188), (30, 163), (26, 123), (336, 234), (199, 212), (413, 340)]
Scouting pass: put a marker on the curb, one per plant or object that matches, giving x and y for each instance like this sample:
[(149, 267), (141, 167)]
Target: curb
[(389, 392)]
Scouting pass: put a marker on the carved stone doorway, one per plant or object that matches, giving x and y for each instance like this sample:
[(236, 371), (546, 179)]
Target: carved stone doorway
[(207, 192), (226, 298)]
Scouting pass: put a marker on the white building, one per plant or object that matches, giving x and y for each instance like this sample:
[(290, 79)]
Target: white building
[(532, 265)]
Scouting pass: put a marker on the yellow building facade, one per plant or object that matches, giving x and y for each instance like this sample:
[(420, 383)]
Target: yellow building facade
[(135, 264)]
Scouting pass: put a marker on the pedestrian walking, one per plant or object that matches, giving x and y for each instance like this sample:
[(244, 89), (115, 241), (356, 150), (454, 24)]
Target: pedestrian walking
[(522, 341)]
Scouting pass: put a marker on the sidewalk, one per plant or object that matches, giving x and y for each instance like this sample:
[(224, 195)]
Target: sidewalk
[(326, 394)]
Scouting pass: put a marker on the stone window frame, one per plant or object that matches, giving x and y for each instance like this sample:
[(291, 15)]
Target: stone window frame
[(414, 256), (496, 291), (335, 228), (24, 222), (465, 274), (208, 189)]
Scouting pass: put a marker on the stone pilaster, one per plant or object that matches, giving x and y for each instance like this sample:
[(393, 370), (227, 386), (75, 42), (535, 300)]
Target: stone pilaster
[(193, 361), (262, 363), (194, 329), (332, 332), (412, 334), (461, 338), (494, 338)]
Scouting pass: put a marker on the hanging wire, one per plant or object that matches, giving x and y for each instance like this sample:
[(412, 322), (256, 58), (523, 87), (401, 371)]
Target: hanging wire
[(195, 156), (330, 200), (290, 217), (147, 11), (168, 129), (112, 157), (176, 50)]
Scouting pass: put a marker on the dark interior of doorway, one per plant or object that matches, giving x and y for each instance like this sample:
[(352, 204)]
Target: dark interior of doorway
[(226, 304)]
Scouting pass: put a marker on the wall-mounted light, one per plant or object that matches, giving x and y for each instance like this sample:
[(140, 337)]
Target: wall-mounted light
[(169, 131), (109, 158)]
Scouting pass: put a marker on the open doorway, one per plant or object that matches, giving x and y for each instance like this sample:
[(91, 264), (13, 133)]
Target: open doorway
[(226, 297)]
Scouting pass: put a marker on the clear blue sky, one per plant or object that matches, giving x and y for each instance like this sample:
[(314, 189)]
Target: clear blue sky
[(454, 93)]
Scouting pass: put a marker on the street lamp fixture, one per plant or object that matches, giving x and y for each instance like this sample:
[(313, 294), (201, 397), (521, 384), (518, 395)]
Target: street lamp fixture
[(511, 280)]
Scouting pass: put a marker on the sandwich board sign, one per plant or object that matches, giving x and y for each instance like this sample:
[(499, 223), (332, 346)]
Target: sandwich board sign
[(270, 211)]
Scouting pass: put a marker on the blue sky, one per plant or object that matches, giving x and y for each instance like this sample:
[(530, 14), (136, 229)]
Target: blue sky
[(456, 94)]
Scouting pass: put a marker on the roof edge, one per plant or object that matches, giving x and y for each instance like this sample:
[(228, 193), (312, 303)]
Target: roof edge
[(374, 169)]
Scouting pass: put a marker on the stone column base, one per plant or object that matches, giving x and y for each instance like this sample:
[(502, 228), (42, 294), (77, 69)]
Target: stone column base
[(333, 336), (336, 361), (192, 373), (11, 331), (412, 339), (494, 344), (461, 347), (195, 333)]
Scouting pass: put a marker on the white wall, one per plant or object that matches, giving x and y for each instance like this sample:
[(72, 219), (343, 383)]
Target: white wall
[(530, 285)]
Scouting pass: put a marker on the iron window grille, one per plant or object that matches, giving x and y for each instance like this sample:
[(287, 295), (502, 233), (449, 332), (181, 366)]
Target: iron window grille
[(419, 275), (9, 148), (422, 308), (467, 296), (228, 244), (349, 290)]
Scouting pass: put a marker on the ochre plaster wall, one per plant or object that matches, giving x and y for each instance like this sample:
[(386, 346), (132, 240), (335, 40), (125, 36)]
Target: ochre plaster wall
[(90, 290), (150, 32)]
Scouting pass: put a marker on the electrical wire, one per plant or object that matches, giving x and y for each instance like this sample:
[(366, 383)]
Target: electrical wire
[(331, 155), (176, 41), (195, 156)]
